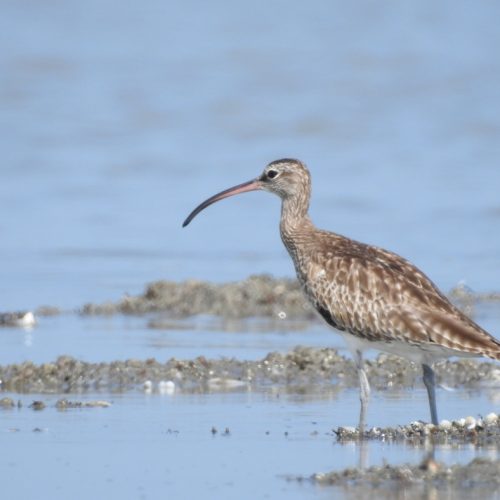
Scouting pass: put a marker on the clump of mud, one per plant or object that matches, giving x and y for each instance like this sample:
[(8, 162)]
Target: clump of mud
[(480, 431), (479, 478), (303, 368), (256, 296)]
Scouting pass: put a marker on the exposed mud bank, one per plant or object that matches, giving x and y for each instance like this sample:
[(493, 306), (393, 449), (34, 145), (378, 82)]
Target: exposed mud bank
[(477, 430), (256, 296), (479, 479), (259, 295), (302, 367)]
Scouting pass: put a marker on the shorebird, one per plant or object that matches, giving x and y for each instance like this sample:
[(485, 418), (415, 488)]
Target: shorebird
[(374, 298)]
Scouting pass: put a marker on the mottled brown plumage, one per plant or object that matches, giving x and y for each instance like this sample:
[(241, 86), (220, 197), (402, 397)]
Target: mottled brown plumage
[(375, 298)]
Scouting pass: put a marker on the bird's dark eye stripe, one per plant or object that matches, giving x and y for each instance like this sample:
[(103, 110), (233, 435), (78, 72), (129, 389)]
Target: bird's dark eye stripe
[(272, 174)]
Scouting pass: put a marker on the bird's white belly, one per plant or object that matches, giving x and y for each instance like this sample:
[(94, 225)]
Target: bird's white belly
[(420, 354)]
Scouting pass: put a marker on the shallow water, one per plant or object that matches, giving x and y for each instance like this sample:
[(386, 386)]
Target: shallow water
[(146, 444), (106, 338), (116, 120), (96, 339)]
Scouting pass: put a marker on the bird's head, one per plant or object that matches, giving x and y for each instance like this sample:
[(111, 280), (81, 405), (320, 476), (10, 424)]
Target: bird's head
[(287, 178)]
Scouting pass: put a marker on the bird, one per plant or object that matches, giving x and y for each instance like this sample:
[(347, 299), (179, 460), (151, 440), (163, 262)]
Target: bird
[(374, 298)]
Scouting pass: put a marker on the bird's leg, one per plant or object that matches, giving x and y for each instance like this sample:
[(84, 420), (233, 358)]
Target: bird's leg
[(364, 391), (430, 384)]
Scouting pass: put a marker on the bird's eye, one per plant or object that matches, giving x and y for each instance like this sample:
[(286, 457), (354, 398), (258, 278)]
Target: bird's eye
[(272, 174)]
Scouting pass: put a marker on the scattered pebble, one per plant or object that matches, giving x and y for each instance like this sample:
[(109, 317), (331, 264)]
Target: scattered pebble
[(63, 404), (23, 319), (7, 403), (37, 405)]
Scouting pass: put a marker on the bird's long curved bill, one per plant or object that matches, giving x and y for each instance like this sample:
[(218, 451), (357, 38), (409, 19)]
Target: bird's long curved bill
[(240, 188)]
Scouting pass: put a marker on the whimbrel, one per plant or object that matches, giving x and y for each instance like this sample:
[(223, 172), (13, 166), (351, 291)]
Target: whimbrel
[(374, 298)]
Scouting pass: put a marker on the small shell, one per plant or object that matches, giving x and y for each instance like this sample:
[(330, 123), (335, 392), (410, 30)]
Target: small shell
[(349, 430), (166, 387), (491, 419), (445, 425), (429, 428), (470, 423)]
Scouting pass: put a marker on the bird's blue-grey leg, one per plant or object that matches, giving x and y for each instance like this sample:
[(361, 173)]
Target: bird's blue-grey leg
[(430, 384), (364, 391)]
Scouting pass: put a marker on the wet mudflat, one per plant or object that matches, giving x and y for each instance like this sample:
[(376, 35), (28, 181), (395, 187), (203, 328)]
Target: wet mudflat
[(269, 417), (426, 480)]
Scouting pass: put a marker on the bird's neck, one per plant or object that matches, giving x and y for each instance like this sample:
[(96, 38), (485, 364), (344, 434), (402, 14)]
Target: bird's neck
[(295, 223), (295, 208)]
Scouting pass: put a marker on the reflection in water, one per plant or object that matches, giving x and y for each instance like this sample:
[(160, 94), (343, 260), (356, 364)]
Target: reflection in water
[(363, 454), (422, 477)]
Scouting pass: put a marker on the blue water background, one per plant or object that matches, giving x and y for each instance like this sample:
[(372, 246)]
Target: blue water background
[(117, 119)]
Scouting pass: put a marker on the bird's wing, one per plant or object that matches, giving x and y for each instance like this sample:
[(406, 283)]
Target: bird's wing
[(380, 296)]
